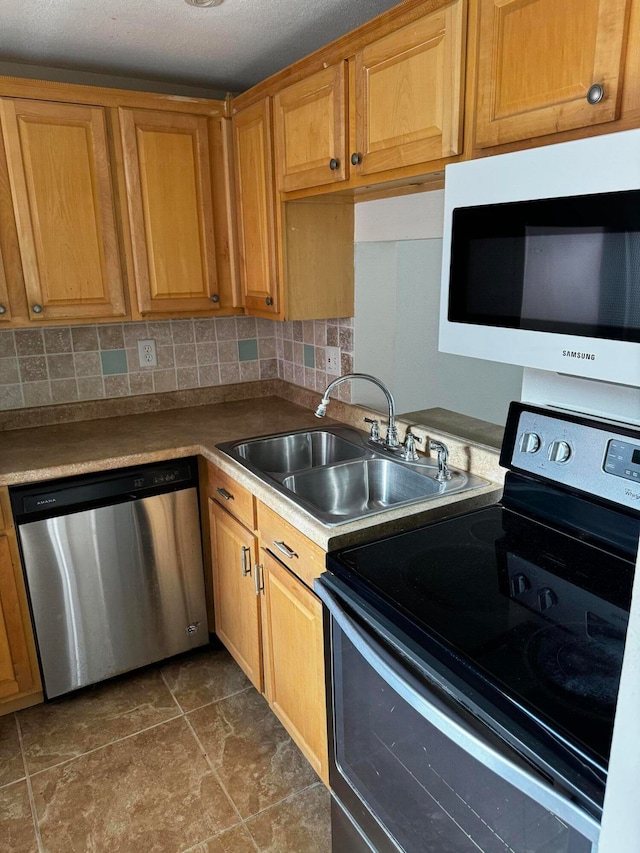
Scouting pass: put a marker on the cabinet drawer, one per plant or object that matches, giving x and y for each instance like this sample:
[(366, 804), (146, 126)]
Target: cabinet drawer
[(232, 496), (299, 554)]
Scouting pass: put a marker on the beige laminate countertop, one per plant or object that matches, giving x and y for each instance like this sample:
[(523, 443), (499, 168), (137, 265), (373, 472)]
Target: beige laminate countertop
[(61, 450)]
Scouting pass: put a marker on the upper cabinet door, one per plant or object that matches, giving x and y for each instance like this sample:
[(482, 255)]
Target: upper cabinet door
[(256, 206), (58, 163), (409, 92), (538, 62), (166, 159), (310, 125)]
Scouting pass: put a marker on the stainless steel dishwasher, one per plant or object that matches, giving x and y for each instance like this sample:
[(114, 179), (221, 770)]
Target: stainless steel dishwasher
[(113, 563)]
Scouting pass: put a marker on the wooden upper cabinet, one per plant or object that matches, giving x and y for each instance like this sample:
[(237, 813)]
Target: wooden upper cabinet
[(167, 169), (537, 62), (409, 93), (256, 206), (59, 172), (310, 130)]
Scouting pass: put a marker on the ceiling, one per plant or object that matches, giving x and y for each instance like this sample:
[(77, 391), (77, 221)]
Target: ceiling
[(228, 47)]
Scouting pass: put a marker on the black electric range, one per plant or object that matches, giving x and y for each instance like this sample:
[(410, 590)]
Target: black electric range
[(527, 601)]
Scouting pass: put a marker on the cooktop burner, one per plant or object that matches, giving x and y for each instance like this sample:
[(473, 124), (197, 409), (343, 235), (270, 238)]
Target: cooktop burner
[(576, 664)]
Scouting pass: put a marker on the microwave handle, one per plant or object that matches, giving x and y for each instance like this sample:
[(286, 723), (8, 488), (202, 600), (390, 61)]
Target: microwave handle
[(412, 692)]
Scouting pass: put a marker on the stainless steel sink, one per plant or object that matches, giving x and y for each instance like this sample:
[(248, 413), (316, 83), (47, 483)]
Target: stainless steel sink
[(298, 451), (338, 475), (356, 489)]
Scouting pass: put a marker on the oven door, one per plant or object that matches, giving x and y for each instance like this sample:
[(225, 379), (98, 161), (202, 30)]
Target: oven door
[(415, 771)]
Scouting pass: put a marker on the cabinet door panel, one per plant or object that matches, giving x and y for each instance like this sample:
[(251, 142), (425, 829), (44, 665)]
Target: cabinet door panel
[(5, 309), (166, 158), (409, 89), (536, 62), (256, 208), (294, 661), (58, 164), (310, 130), (15, 668), (236, 603)]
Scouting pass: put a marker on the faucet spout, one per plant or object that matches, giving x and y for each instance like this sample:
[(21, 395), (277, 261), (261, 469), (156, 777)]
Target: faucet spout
[(391, 439)]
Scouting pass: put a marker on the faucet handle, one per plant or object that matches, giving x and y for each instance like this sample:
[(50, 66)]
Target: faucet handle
[(374, 435), (409, 451)]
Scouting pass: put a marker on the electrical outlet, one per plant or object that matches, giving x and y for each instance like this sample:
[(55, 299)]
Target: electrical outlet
[(333, 360), (147, 354)]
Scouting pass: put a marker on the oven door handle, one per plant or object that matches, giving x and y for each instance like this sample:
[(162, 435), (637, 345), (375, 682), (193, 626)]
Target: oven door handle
[(411, 691)]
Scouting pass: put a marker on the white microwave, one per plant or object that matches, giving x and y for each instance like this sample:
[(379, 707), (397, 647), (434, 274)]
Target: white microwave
[(541, 258)]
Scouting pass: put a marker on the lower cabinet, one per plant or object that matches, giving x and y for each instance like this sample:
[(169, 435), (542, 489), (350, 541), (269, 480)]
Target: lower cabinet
[(235, 592), (294, 660), (268, 617), (19, 677)]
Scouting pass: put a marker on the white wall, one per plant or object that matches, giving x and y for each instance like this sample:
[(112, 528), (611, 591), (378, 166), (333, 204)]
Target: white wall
[(617, 402), (398, 259)]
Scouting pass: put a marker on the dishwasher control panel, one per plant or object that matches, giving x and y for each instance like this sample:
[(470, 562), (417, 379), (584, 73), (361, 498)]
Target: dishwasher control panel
[(65, 495)]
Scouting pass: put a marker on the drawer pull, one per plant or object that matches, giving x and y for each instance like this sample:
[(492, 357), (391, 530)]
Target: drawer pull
[(224, 494), (246, 564), (284, 549)]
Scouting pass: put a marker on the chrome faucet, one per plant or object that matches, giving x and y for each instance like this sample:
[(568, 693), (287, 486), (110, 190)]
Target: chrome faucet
[(391, 438)]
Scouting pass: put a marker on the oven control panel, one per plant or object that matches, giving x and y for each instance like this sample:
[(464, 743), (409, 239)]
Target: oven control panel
[(623, 460), (599, 458)]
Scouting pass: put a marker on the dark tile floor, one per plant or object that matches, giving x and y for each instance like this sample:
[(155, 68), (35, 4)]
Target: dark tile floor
[(185, 756)]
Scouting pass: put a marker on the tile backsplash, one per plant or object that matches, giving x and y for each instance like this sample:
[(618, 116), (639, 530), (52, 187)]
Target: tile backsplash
[(62, 364)]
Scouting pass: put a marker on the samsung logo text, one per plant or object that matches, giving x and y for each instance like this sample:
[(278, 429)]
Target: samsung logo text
[(572, 353)]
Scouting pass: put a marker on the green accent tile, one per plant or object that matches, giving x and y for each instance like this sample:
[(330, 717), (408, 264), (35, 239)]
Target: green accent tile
[(113, 361), (309, 355), (248, 350)]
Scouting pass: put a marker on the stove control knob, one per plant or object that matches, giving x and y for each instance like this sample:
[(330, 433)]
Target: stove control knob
[(530, 442), (519, 584), (559, 451), (546, 598)]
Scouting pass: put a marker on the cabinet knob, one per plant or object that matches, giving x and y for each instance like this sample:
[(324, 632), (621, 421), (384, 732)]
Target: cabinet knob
[(215, 297), (334, 164), (37, 309), (595, 93), (3, 309), (356, 159), (269, 300)]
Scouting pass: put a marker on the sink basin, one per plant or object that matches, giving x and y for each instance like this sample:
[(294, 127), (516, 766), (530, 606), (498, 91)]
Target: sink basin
[(338, 475), (283, 454), (356, 489)]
